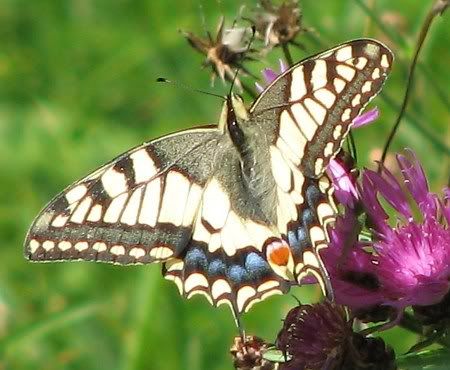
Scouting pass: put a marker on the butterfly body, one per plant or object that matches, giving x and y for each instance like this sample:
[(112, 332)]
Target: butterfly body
[(236, 212)]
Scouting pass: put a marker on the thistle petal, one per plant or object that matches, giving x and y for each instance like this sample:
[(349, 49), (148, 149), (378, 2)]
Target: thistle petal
[(366, 118), (388, 186)]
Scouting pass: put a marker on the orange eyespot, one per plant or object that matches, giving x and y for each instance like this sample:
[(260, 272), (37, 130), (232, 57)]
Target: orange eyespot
[(278, 252)]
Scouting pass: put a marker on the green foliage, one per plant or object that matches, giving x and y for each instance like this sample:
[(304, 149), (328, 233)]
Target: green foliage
[(76, 89), (430, 360)]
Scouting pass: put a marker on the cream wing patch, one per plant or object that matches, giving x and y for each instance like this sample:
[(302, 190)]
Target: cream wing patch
[(151, 203), (114, 182), (143, 166), (174, 198), (215, 204)]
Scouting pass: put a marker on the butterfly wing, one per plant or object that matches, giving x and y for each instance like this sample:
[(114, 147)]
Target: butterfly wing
[(315, 102), (139, 208), (307, 113)]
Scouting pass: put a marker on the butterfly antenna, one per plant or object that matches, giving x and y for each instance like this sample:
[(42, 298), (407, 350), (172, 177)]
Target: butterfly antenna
[(189, 88)]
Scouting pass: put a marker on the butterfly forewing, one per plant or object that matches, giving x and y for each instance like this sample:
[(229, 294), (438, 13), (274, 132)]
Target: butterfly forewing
[(139, 208), (318, 99)]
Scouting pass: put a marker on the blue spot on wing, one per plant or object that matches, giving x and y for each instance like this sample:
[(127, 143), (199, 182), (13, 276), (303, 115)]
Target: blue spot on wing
[(195, 260), (298, 241), (257, 266), (308, 218), (313, 195), (217, 268), (238, 275)]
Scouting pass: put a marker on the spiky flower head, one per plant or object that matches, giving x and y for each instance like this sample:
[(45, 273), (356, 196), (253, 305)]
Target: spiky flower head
[(224, 53), (408, 260)]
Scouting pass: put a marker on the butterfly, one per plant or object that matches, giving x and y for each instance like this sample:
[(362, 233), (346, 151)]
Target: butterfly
[(237, 211)]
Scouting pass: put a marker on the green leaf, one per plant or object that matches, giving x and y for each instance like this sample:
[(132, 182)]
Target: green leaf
[(426, 360), (275, 355)]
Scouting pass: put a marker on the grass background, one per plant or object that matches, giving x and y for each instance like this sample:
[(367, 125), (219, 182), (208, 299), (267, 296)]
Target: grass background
[(77, 88)]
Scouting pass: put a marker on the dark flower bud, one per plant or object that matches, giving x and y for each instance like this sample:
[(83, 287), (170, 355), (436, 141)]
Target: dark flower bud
[(368, 354), (320, 336)]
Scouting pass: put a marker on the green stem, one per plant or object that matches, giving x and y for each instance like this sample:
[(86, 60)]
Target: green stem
[(438, 8), (287, 54)]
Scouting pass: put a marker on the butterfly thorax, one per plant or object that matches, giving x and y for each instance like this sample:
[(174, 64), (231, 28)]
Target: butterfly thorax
[(244, 164)]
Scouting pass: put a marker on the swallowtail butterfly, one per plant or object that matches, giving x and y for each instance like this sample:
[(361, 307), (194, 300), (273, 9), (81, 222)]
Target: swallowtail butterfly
[(236, 212)]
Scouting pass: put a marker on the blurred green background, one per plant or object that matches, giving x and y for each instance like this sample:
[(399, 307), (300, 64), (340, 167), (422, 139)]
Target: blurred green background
[(77, 87)]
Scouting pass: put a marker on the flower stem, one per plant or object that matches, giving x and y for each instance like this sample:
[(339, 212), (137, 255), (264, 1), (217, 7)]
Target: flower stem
[(409, 323), (287, 54), (438, 7)]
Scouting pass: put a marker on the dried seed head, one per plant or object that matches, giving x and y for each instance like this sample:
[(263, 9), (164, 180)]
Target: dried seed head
[(277, 25), (224, 53)]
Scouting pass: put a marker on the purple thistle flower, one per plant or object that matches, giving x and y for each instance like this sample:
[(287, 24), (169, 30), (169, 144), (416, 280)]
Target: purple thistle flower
[(410, 262), (414, 255), (352, 269), (366, 118)]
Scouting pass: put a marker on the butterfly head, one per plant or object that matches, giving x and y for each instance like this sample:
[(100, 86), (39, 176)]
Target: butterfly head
[(234, 114), (237, 107)]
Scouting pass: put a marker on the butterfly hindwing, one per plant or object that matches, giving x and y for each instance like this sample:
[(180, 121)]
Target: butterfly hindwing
[(139, 208), (226, 260), (238, 281)]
